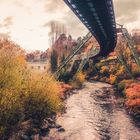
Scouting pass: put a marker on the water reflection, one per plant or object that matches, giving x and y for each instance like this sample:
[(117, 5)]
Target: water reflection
[(92, 115)]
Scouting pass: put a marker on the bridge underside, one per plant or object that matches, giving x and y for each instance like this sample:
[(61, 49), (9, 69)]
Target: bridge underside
[(98, 17)]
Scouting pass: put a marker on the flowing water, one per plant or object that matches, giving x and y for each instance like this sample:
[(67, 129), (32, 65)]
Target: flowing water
[(92, 115)]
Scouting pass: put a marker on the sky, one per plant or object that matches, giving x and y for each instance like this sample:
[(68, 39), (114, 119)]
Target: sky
[(26, 22)]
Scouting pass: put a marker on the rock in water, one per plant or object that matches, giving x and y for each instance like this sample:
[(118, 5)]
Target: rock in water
[(61, 129)]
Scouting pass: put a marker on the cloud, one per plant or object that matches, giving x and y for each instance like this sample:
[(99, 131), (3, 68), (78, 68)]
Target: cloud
[(7, 22), (54, 6), (127, 11), (4, 35), (74, 26)]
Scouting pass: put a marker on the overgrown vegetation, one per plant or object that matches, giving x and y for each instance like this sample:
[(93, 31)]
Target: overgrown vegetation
[(24, 95)]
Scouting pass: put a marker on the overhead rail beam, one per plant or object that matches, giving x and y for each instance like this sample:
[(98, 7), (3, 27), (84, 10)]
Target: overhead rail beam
[(98, 16)]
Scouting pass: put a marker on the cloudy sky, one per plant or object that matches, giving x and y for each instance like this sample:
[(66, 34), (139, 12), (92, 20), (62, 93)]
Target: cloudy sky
[(26, 21)]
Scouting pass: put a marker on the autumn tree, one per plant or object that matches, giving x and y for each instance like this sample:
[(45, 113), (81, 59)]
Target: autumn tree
[(12, 71), (12, 64), (23, 95)]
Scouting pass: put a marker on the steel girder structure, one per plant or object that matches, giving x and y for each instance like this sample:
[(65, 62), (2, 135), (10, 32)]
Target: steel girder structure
[(98, 16)]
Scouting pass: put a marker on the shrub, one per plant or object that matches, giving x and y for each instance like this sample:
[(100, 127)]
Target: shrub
[(78, 80), (65, 76), (132, 93), (80, 77), (11, 110), (136, 71), (112, 69), (132, 102), (123, 84), (104, 70), (99, 65), (133, 90), (120, 71), (12, 77), (42, 97), (112, 79), (24, 96)]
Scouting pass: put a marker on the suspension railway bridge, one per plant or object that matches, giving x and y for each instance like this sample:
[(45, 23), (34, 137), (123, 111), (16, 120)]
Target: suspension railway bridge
[(98, 16)]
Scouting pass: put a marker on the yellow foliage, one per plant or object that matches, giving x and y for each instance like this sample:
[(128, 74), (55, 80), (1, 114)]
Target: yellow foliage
[(80, 77), (135, 70), (112, 79), (11, 67), (24, 95), (42, 96), (99, 65), (104, 69), (112, 69), (120, 71), (78, 80)]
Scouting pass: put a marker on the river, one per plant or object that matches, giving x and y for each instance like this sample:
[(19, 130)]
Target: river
[(92, 114)]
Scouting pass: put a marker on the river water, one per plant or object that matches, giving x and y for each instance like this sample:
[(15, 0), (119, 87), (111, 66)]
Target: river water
[(92, 114)]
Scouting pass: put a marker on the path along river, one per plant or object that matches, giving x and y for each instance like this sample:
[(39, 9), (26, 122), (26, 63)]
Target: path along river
[(92, 115)]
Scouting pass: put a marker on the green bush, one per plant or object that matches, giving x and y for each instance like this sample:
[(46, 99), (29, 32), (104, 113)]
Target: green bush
[(123, 83), (121, 86), (65, 76)]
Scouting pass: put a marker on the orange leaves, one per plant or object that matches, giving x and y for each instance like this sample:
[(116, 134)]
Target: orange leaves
[(121, 71), (132, 92), (12, 51), (112, 79), (66, 86), (135, 70), (104, 69), (63, 88), (21, 59), (133, 102)]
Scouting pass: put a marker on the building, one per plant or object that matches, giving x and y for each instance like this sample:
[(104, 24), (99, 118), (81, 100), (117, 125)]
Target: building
[(39, 67)]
